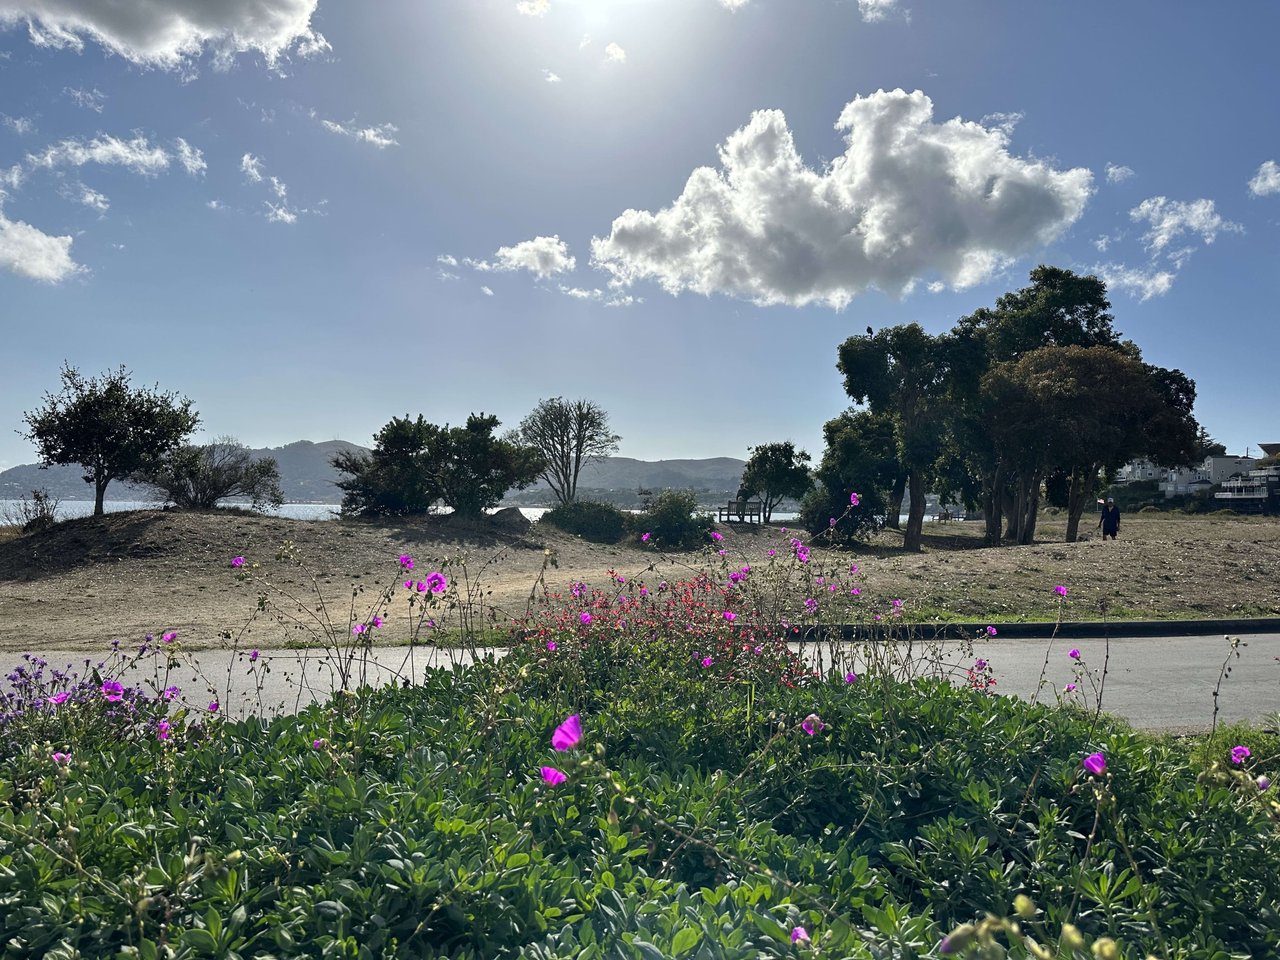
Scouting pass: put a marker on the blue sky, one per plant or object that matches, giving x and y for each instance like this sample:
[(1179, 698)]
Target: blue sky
[(310, 217)]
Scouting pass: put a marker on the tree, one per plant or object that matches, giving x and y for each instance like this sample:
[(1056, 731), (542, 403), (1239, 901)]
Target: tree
[(474, 468), (108, 427), (860, 456), (1206, 446), (775, 472), (568, 435), (200, 477), (901, 372)]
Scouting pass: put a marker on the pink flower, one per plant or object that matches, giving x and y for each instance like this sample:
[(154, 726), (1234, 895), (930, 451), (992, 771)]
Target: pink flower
[(722, 553), (1060, 590), (62, 758), (831, 521), (707, 661), (644, 538), (551, 776), (377, 620), (113, 690), (853, 568), (1073, 653), (406, 561), (853, 499), (1070, 688), (358, 629), (802, 553), (213, 706), (578, 589), (584, 618), (1095, 763), (855, 592), (773, 552), (437, 582), (567, 734), (730, 616), (897, 604), (811, 605), (162, 730), (991, 631), (253, 655), (716, 536), (237, 561), (171, 692), (551, 645), (812, 724), (317, 744), (169, 636), (850, 677), (800, 933), (1240, 754), (59, 698)]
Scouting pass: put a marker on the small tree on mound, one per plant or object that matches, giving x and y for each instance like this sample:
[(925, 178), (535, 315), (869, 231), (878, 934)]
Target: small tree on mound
[(775, 472), (200, 477), (568, 435)]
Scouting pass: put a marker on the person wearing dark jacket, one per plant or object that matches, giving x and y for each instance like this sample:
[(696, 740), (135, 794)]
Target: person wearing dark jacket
[(1110, 519)]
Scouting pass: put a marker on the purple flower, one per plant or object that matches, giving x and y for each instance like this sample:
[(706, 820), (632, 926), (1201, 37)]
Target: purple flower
[(853, 499), (896, 604), (1095, 763), (802, 553), (991, 631), (358, 629), (437, 582), (1240, 754), (113, 690), (237, 561), (253, 655), (317, 744), (722, 553), (773, 552), (405, 561), (377, 620), (979, 664), (811, 605), (707, 661), (831, 521), (567, 734), (730, 616), (1264, 782), (162, 730), (716, 536), (551, 776), (59, 698), (171, 692), (62, 758), (1060, 590), (855, 592), (850, 677), (578, 589), (812, 724), (1073, 653), (1070, 688), (644, 538), (551, 645), (213, 706), (169, 636), (584, 618), (800, 933)]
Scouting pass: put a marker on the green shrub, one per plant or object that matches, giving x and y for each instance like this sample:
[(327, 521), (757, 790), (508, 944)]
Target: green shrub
[(672, 520), (597, 522)]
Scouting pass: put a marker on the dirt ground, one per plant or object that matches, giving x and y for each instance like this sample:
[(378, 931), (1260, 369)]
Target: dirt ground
[(89, 581)]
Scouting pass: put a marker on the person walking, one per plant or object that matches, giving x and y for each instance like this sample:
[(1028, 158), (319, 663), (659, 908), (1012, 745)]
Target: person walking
[(1109, 522)]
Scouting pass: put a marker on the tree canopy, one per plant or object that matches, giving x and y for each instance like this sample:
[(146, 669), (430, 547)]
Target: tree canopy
[(775, 472), (109, 427), (568, 434), (202, 476)]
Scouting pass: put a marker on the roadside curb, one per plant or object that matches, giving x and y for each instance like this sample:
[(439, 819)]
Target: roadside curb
[(1040, 631)]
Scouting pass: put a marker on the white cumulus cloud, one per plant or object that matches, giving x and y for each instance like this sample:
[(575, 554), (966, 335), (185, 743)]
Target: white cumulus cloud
[(170, 33), (550, 76), (533, 8), (380, 136), (908, 197), (615, 54), (30, 253), (138, 155), (874, 10), (541, 256), (448, 259), (1117, 173), (1266, 181), (19, 125), (734, 4), (1140, 282), (1170, 219)]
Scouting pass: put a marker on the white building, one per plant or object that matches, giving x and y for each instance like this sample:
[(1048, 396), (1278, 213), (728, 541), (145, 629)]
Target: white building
[(1214, 471), (1136, 470)]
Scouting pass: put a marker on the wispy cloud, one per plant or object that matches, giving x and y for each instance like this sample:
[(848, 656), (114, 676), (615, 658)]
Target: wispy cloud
[(1266, 181), (138, 154), (486, 291), (1141, 282), (873, 11), (615, 54), (93, 99), (380, 136), (1117, 173), (92, 198), (275, 212), (550, 77), (1170, 219), (251, 167), (192, 160), (19, 125), (533, 8)]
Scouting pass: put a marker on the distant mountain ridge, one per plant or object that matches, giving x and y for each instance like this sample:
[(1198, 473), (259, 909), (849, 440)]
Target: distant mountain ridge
[(307, 476)]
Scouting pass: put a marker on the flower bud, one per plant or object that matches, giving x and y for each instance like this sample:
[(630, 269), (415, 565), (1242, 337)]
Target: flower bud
[(1023, 906), (1104, 948), (1072, 937)]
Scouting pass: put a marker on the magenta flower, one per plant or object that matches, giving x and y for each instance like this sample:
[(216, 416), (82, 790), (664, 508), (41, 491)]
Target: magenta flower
[(162, 730), (896, 604), (853, 499), (551, 645), (552, 777), (169, 636), (62, 758), (237, 561), (991, 631), (1095, 763), (1073, 653), (1240, 754), (584, 618), (113, 690), (707, 661), (1070, 688), (773, 552), (730, 616), (377, 620), (644, 538), (979, 664), (253, 655), (1060, 590), (317, 744), (578, 589), (812, 724), (850, 677), (831, 521), (855, 592), (802, 553), (800, 933), (420, 587), (213, 706), (567, 734), (717, 536), (59, 698), (853, 568), (811, 605), (437, 582), (722, 553), (406, 561), (358, 629)]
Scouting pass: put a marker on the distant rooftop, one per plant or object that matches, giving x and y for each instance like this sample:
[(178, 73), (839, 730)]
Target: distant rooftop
[(1270, 449)]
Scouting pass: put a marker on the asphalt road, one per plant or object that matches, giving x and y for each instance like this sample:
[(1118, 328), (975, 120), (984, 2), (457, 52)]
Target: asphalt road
[(1156, 683)]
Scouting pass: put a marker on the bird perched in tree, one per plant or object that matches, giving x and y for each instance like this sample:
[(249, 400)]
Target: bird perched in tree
[(870, 332)]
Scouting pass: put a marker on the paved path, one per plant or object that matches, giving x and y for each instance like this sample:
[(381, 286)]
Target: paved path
[(1163, 683)]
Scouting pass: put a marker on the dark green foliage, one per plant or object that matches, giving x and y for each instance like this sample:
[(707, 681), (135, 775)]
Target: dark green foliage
[(596, 522), (775, 472), (861, 458), (673, 521), (200, 477), (108, 427)]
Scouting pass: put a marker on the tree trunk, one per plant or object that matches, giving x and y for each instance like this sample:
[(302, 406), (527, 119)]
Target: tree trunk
[(1028, 533), (991, 507), (891, 519), (1075, 505), (915, 514), (99, 494)]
